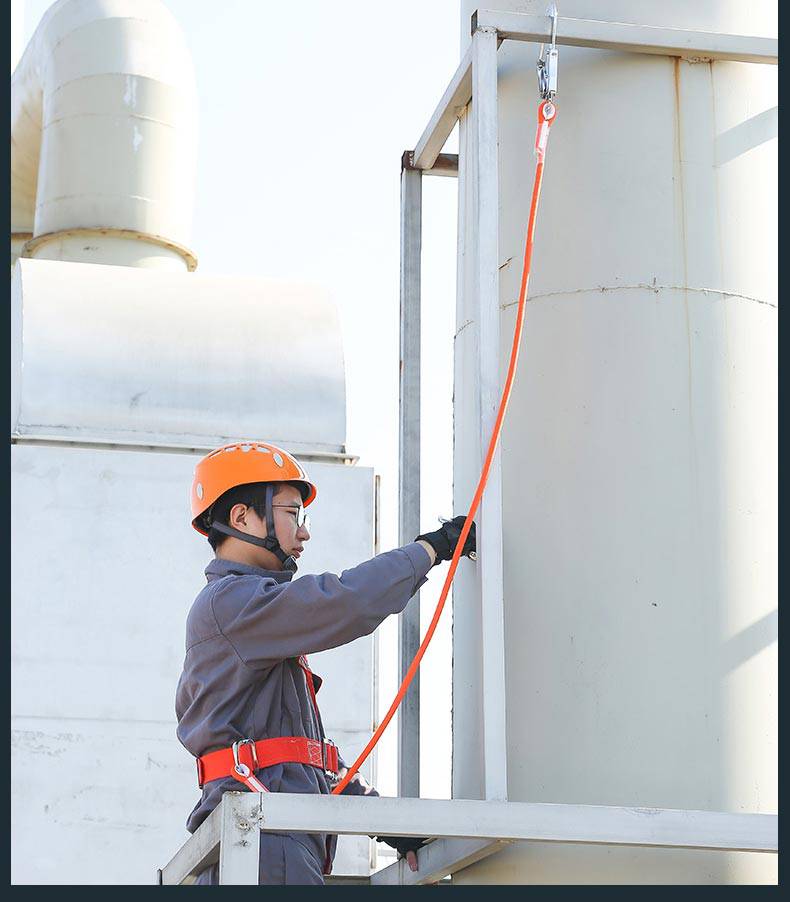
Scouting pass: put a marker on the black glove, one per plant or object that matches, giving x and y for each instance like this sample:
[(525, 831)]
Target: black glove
[(403, 844), (444, 540)]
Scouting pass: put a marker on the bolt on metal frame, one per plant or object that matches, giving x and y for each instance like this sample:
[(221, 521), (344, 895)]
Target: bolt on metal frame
[(465, 831)]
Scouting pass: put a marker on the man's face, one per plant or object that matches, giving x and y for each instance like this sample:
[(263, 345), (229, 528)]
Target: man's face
[(292, 537), (286, 504)]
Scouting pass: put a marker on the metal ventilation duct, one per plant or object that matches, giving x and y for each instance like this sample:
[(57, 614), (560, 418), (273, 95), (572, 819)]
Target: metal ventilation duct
[(103, 137)]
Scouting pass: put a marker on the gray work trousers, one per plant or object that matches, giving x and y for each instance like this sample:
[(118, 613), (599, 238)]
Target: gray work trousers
[(284, 861)]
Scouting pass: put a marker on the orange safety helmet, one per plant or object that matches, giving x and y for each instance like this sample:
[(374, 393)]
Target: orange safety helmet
[(240, 463)]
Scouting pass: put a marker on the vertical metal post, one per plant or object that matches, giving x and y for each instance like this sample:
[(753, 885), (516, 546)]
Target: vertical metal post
[(489, 568), (239, 848), (409, 463)]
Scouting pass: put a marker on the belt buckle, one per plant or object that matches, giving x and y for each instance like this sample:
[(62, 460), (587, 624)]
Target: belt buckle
[(326, 744), (239, 766), (199, 764)]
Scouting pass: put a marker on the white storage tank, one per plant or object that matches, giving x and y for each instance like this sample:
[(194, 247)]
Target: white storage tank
[(639, 471)]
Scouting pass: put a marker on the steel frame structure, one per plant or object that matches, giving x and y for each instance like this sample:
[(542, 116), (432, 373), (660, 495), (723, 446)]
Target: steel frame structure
[(465, 831), (469, 830), (477, 76)]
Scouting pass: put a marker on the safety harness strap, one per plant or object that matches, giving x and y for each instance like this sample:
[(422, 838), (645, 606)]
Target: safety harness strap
[(244, 536), (246, 755), (313, 685)]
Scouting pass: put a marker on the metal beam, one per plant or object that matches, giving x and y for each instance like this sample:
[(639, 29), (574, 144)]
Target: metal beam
[(197, 853), (485, 222), (697, 45), (450, 107), (516, 821), (445, 164), (239, 813), (240, 845), (437, 860), (409, 465)]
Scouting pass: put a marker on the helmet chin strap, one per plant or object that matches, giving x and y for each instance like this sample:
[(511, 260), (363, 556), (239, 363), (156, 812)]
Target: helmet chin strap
[(270, 543)]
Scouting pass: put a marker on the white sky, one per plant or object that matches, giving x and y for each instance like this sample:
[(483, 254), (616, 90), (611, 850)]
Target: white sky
[(305, 110)]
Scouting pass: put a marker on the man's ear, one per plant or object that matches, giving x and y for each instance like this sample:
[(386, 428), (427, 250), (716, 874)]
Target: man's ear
[(237, 516)]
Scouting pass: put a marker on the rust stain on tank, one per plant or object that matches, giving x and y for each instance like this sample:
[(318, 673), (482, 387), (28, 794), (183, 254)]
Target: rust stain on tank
[(679, 165), (681, 199)]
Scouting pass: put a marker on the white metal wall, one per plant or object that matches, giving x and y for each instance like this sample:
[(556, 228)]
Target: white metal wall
[(105, 563), (105, 567), (639, 454), (137, 356)]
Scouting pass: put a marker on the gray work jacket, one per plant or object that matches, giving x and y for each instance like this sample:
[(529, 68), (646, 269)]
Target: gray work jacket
[(241, 678)]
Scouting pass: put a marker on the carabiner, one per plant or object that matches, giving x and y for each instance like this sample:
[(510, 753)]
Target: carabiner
[(548, 61), (239, 766)]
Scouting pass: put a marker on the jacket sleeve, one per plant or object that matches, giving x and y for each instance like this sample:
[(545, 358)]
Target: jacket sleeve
[(267, 622)]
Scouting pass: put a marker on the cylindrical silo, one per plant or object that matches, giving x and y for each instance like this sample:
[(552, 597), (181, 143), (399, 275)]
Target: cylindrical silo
[(639, 453)]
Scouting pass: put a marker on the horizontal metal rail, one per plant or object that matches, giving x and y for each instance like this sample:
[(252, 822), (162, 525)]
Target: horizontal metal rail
[(437, 860), (698, 45), (152, 443), (628, 38), (229, 829), (445, 164)]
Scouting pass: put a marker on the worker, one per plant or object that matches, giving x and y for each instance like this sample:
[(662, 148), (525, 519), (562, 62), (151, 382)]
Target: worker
[(246, 699)]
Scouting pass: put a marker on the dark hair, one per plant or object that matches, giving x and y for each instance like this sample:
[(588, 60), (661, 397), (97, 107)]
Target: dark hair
[(253, 494)]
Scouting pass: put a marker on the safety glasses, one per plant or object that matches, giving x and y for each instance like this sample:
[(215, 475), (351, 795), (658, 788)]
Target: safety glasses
[(302, 519)]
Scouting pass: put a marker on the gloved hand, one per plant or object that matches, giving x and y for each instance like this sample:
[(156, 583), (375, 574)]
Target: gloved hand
[(404, 845), (444, 540)]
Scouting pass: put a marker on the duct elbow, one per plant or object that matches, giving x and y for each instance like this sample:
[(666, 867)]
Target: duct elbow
[(103, 137)]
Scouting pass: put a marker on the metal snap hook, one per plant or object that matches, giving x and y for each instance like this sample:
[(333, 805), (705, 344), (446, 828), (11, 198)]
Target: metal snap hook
[(547, 61), (238, 766)]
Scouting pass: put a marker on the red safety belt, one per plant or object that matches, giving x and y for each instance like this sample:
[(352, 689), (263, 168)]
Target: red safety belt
[(246, 756)]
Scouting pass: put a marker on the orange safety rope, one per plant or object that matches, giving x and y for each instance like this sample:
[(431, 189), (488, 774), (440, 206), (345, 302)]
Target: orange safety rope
[(547, 112)]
